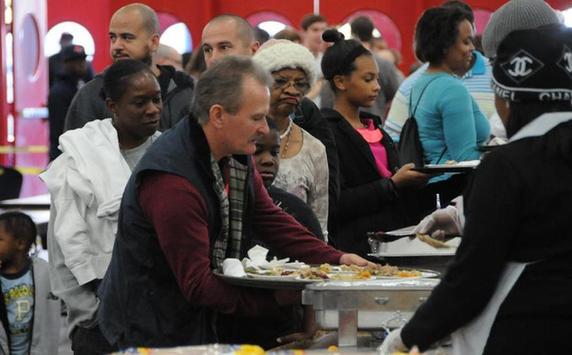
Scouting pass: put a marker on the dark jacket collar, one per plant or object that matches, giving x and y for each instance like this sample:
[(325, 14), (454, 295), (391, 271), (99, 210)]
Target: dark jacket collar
[(335, 118), (350, 133)]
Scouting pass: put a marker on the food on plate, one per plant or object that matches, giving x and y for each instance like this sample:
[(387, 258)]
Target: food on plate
[(360, 275), (314, 274), (249, 350), (435, 243), (327, 268), (275, 271), (393, 271), (342, 272), (409, 273), (366, 272)]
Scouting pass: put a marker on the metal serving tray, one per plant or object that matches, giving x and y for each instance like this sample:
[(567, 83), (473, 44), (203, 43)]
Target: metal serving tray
[(376, 304), (274, 283), (410, 252)]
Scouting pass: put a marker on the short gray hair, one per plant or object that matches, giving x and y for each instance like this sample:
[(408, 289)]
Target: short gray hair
[(222, 84)]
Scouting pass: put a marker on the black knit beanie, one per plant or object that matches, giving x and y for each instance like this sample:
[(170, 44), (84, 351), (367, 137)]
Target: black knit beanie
[(535, 65)]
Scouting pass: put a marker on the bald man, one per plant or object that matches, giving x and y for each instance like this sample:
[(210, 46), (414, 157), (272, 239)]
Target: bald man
[(134, 34), (228, 35), (167, 55)]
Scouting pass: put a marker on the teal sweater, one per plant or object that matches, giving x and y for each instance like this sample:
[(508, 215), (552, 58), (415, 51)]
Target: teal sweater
[(449, 120)]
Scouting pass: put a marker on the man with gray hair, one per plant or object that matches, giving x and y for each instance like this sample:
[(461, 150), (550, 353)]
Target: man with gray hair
[(194, 200), (134, 34), (232, 35)]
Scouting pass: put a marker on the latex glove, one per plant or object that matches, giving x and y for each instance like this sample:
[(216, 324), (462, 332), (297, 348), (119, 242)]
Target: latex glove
[(442, 222), (392, 343)]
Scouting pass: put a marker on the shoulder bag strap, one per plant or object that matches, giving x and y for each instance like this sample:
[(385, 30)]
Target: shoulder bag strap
[(412, 114)]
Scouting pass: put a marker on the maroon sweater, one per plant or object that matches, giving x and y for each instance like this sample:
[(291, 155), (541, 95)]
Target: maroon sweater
[(180, 210)]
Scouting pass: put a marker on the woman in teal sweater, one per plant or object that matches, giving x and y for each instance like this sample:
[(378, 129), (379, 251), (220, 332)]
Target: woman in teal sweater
[(451, 126)]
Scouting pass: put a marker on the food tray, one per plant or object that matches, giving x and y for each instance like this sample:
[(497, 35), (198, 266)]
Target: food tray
[(275, 283), (284, 282), (438, 169), (454, 167)]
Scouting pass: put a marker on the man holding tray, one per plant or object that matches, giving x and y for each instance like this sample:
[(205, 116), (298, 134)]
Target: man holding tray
[(194, 200)]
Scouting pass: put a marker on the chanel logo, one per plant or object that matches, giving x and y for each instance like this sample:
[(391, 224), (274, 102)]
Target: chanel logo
[(520, 66), (566, 61)]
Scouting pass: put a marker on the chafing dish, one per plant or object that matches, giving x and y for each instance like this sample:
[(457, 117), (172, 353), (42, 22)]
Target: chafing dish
[(375, 304)]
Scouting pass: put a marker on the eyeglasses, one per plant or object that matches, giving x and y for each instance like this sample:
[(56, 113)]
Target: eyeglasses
[(282, 83)]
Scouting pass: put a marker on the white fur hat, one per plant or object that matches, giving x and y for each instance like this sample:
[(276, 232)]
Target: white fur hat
[(277, 54)]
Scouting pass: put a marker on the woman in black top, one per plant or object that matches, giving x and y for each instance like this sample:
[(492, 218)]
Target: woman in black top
[(373, 186), (509, 288)]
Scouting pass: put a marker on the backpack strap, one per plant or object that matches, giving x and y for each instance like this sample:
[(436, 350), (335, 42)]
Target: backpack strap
[(412, 114)]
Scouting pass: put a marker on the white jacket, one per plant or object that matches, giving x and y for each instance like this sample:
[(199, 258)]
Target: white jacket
[(86, 183)]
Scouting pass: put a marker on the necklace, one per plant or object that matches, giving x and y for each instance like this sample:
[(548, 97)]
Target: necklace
[(287, 134), (287, 130)]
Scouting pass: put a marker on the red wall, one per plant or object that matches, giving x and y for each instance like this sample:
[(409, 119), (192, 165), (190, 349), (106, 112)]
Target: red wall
[(94, 15), (4, 109)]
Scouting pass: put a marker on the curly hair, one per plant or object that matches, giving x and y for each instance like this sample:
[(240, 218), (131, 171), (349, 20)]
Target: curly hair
[(436, 31), (20, 226)]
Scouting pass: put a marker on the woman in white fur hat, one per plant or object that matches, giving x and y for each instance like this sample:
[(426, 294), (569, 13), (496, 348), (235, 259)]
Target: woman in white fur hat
[(303, 162)]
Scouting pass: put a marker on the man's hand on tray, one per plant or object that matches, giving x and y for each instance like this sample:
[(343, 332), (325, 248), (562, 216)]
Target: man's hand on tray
[(353, 259)]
